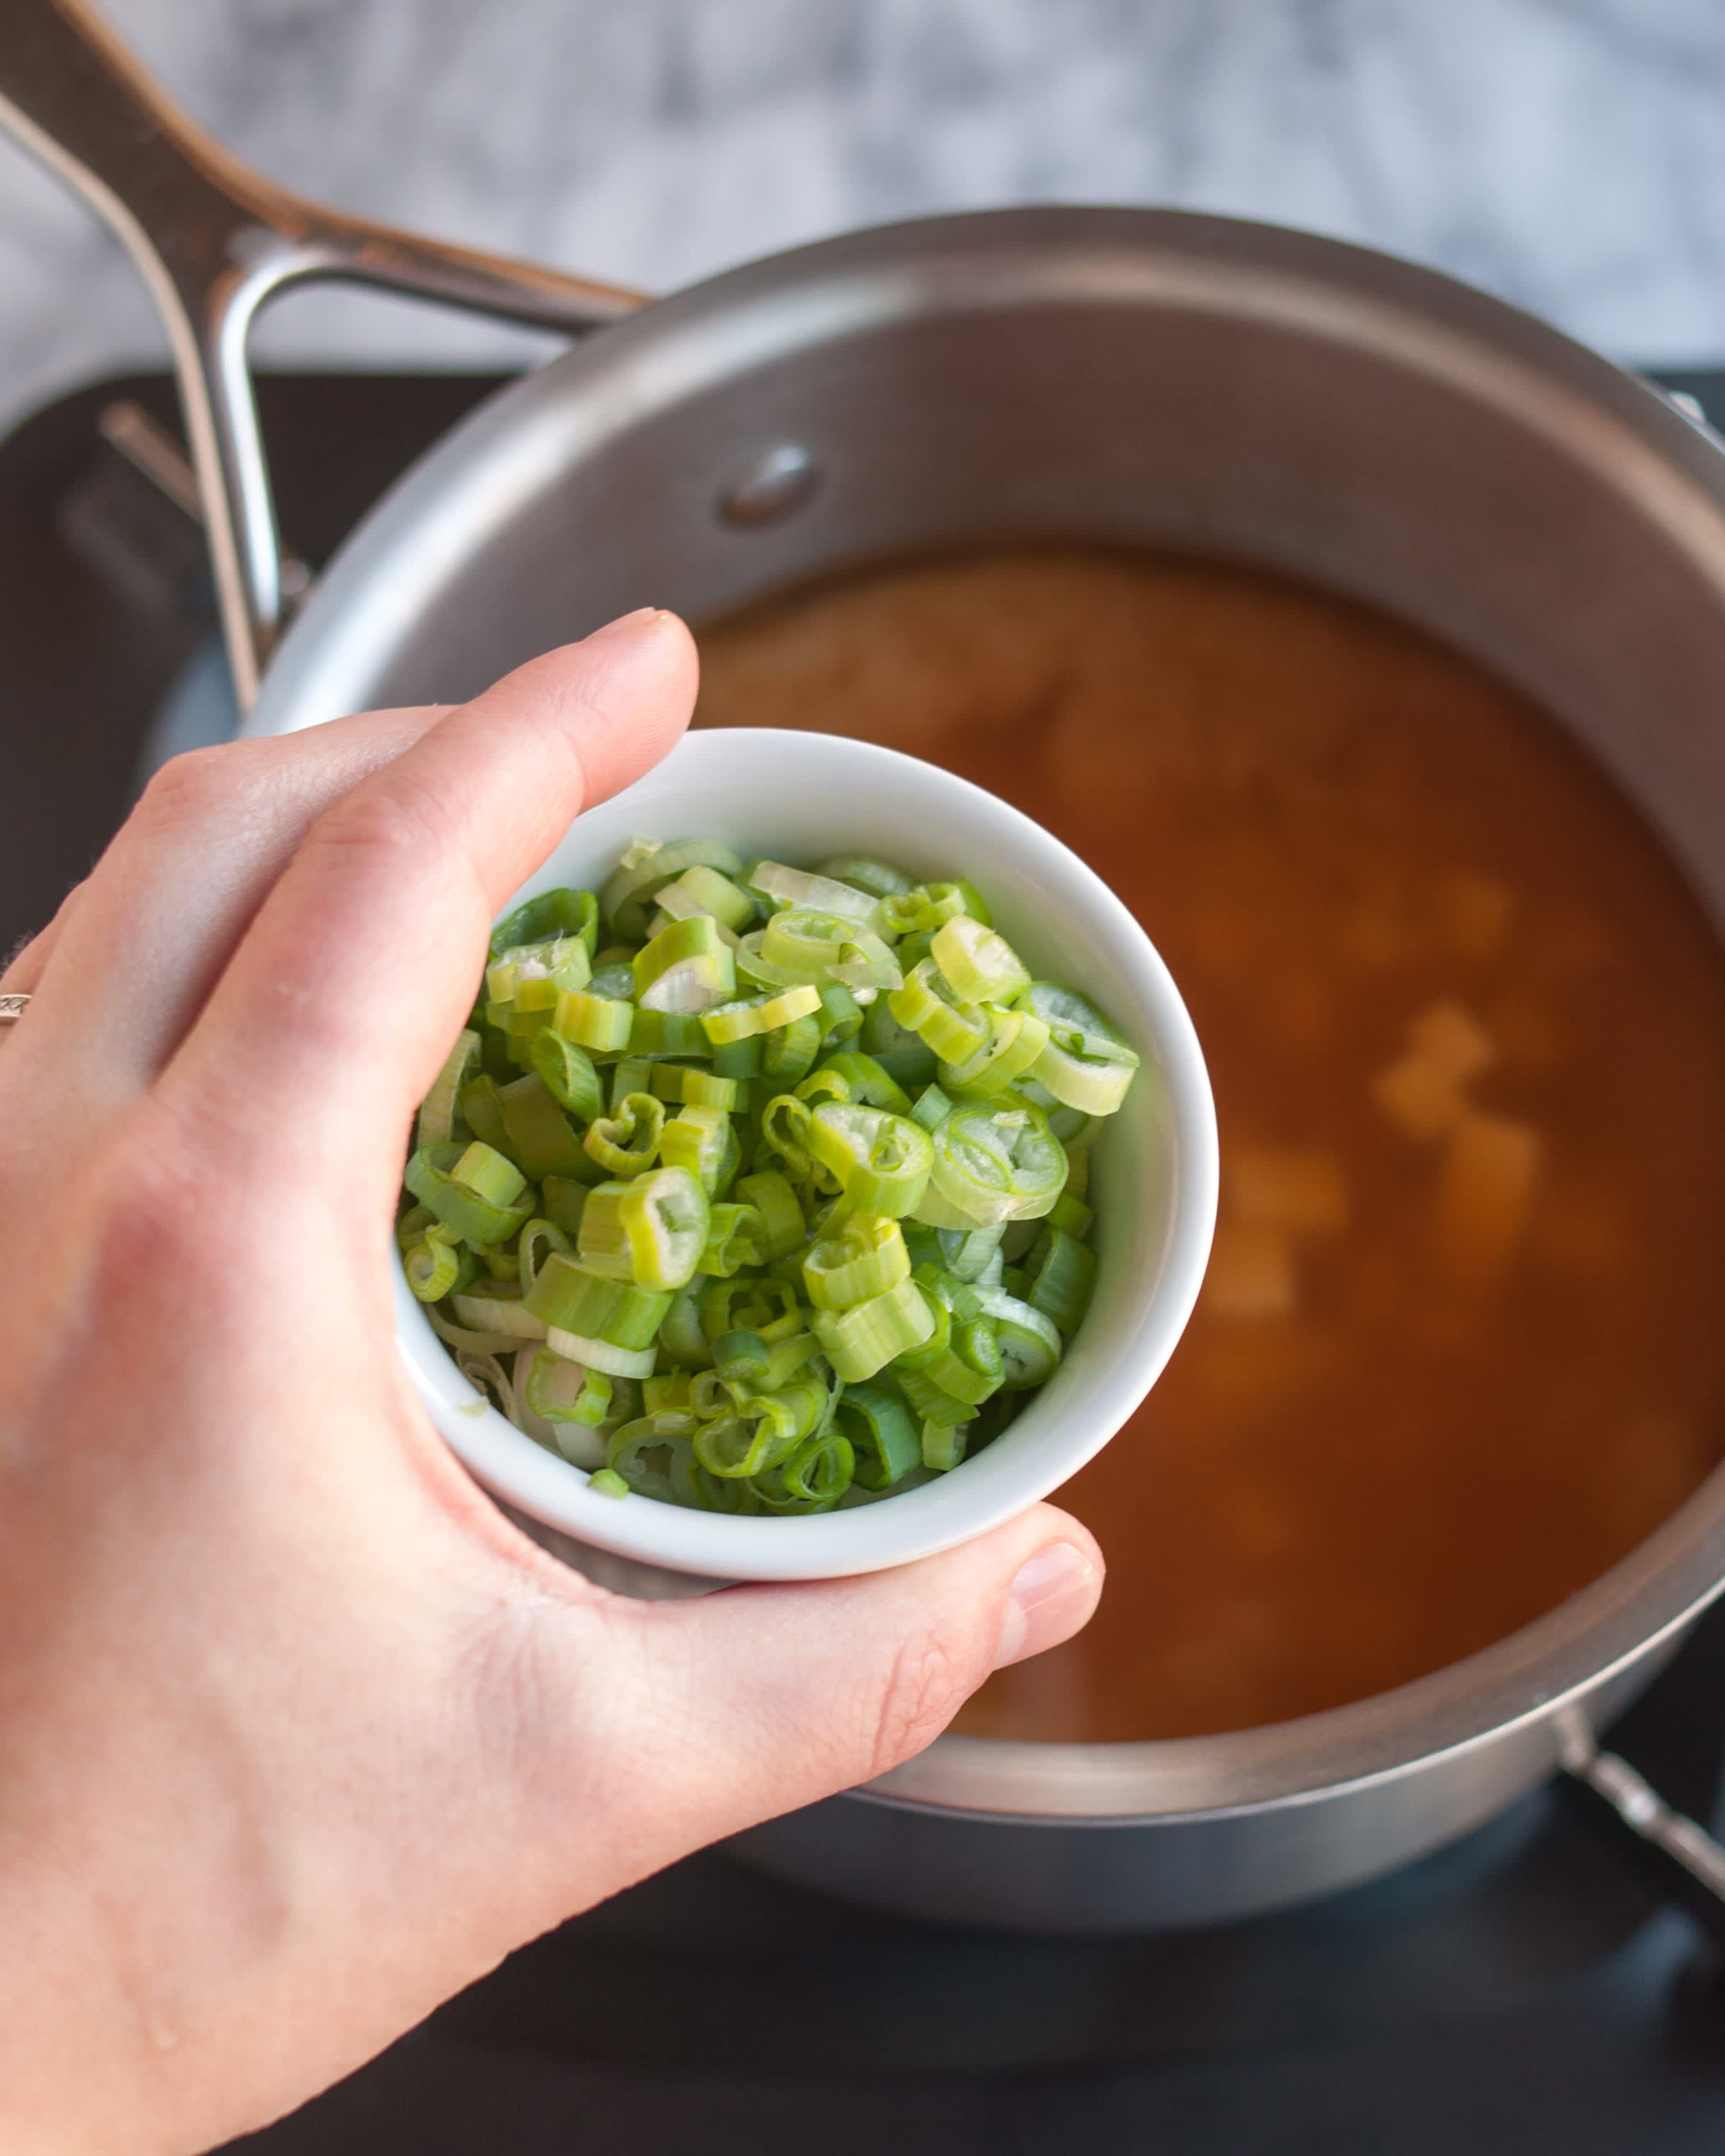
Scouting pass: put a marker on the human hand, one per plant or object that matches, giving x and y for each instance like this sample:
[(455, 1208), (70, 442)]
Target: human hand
[(298, 1733)]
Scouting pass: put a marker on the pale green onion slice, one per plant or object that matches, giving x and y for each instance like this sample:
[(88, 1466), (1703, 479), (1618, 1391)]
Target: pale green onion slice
[(552, 913), (435, 1264), (787, 887), (646, 866), (851, 1075), (1062, 1274), (641, 1453), (1016, 1038), (489, 1309), (571, 1300), (992, 1165), (651, 1229), (607, 1482), (863, 872), (438, 1111), (979, 964), (1030, 1341), (735, 1237), (678, 1082), (861, 1341), (462, 1340), (568, 1074), (541, 1137), (748, 1015), (627, 1143), (773, 1196), (665, 1033), (476, 1191), (881, 1161), (538, 1239), (702, 889), (602, 1355), (865, 1257), (943, 1444), (1085, 1073), (954, 1030), (680, 1334), (788, 1051), (565, 1392), (698, 1138), (882, 1436), (685, 968), (592, 1020), (819, 1472)]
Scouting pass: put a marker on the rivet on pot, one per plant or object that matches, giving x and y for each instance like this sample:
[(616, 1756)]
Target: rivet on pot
[(780, 479)]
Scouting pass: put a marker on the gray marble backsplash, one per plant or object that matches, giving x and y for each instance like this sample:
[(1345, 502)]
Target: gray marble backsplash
[(1568, 154)]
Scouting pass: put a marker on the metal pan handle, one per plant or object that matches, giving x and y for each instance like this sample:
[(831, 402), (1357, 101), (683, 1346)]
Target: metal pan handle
[(214, 241)]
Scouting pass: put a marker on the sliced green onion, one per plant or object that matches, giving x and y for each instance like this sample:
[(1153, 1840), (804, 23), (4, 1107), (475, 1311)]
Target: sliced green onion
[(607, 1482), (865, 1257), (955, 1030), (678, 1081), (552, 913), (488, 1309), (919, 911), (787, 888), (1060, 1273), (698, 1138), (567, 1073), (471, 1188), (564, 1198), (646, 865), (562, 1391), (979, 965), (931, 1107), (880, 879), (883, 1438), (538, 1239), (680, 1334), (993, 1165), (1030, 1341), (640, 1452), (899, 1051), (1070, 1214), (861, 1340), (541, 1137), (627, 1143), (438, 1111), (881, 1160), (573, 1300), (943, 1444), (748, 1015), (650, 1230), (820, 1471), (436, 1264), (592, 1020), (702, 889), (773, 1196), (735, 1237), (787, 1050), (667, 1032), (1016, 1038), (841, 1015), (865, 1080), (685, 968)]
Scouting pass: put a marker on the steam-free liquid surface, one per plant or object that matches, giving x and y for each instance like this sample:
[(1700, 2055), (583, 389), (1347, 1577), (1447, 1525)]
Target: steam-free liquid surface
[(1460, 1348)]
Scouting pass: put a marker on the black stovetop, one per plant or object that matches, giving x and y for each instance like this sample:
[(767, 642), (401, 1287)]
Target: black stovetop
[(1532, 1988)]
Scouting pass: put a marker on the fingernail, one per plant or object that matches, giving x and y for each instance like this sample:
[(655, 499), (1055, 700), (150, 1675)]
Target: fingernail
[(638, 620), (1050, 1597)]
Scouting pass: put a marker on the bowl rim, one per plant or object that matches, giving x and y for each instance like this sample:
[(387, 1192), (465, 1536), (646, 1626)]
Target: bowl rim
[(999, 1483)]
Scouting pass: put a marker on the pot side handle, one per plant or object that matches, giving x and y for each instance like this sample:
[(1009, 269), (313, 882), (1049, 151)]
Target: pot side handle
[(1677, 1841), (215, 241)]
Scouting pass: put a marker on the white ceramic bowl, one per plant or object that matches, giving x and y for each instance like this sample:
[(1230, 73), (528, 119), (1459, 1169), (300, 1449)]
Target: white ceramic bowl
[(800, 798)]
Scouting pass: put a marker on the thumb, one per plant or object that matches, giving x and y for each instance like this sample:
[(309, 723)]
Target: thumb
[(679, 1723)]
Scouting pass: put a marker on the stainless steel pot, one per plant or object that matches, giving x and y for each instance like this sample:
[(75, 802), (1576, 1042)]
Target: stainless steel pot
[(1125, 375)]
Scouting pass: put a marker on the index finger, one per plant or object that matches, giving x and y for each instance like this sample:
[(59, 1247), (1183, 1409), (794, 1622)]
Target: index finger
[(359, 969)]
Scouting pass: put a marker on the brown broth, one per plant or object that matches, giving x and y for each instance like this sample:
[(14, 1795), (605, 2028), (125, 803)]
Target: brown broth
[(1329, 823)]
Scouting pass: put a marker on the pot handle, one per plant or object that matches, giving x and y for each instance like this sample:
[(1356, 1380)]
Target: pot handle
[(214, 241), (1678, 1839)]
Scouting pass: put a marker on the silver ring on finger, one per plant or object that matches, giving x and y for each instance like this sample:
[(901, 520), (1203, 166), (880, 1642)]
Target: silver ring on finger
[(12, 1009)]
